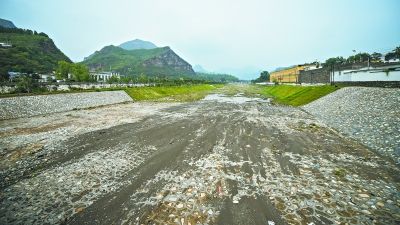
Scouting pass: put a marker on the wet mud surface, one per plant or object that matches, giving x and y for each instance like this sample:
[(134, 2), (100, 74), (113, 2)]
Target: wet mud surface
[(216, 161)]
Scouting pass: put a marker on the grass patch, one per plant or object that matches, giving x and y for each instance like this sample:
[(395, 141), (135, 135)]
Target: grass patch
[(340, 172), (185, 93), (297, 95)]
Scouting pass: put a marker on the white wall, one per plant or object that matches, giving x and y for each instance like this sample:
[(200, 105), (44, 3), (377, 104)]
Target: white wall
[(367, 74)]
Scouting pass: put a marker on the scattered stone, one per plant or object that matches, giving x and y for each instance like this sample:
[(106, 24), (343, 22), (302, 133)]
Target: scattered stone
[(363, 195), (366, 212), (80, 209)]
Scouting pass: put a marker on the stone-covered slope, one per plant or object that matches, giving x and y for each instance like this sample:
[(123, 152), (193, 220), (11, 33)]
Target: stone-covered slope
[(28, 106), (370, 115)]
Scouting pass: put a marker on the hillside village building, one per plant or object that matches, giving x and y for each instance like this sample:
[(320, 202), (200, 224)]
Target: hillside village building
[(104, 76), (5, 45), (47, 77)]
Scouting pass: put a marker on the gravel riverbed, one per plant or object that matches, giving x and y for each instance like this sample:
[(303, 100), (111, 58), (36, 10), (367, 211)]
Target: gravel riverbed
[(370, 115)]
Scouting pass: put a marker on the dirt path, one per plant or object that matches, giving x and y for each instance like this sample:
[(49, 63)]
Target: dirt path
[(218, 161)]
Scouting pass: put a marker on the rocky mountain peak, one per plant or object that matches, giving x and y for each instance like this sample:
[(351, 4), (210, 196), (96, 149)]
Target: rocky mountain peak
[(6, 24)]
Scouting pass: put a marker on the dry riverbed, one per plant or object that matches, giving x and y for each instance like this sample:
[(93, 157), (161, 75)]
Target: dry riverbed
[(222, 160)]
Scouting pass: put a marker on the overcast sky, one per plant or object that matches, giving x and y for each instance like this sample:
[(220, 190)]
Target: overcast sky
[(241, 37)]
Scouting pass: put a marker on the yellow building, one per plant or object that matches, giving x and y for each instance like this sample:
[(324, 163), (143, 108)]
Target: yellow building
[(290, 75)]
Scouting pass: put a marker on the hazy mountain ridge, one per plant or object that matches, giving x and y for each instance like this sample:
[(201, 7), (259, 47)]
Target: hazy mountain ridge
[(199, 69), (137, 44)]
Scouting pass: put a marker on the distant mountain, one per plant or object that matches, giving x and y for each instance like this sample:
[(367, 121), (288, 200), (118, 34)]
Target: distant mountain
[(199, 69), (137, 44), (6, 24), (30, 52), (216, 77), (150, 62)]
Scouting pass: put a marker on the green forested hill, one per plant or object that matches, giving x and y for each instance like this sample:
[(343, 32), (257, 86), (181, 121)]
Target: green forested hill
[(215, 77), (119, 58), (151, 62), (30, 52)]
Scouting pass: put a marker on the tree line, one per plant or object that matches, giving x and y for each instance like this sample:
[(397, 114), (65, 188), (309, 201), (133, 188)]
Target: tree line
[(21, 31), (72, 72), (264, 77), (363, 57)]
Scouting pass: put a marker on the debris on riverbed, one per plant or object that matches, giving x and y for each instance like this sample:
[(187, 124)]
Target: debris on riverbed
[(236, 99)]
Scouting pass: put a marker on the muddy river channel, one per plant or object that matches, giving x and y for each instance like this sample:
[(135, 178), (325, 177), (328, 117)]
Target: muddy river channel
[(221, 160)]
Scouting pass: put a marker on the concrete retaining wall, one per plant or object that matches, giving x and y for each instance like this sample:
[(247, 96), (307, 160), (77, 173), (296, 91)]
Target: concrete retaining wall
[(315, 76), (26, 106)]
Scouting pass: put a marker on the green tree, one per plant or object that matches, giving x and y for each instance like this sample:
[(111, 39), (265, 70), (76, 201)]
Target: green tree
[(26, 84), (334, 61), (363, 57), (376, 56), (360, 57), (143, 78), (80, 72), (126, 80), (264, 77), (113, 79), (395, 54), (63, 69)]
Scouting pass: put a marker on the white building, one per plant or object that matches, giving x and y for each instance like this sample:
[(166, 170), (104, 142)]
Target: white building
[(13, 75), (382, 73), (393, 60), (46, 77), (312, 66), (104, 76), (5, 45)]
